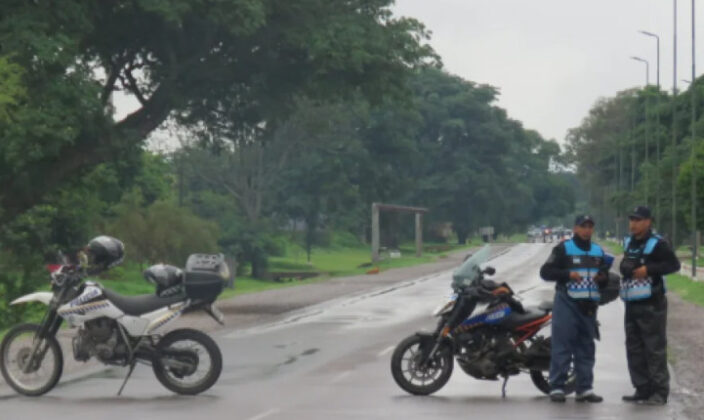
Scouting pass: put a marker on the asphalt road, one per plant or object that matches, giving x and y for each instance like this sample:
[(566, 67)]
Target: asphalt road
[(331, 361)]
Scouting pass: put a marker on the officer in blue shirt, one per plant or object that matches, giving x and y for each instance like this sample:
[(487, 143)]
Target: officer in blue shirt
[(646, 259), (579, 269)]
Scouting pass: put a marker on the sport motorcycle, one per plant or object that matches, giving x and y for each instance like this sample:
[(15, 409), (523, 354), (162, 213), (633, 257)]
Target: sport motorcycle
[(485, 329)]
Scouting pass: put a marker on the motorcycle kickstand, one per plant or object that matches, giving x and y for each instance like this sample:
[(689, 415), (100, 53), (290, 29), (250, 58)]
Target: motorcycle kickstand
[(133, 363), (503, 387)]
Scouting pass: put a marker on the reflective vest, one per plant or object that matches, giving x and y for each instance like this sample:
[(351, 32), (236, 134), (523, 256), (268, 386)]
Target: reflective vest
[(586, 264), (638, 289)]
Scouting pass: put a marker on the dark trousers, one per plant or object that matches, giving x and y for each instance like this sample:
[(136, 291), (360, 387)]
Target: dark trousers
[(646, 346), (573, 334)]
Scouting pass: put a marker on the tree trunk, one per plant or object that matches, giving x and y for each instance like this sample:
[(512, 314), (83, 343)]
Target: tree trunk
[(462, 236)]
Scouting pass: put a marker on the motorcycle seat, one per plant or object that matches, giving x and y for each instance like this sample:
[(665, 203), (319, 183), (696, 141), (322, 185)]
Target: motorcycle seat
[(516, 319), (139, 305), (545, 305)]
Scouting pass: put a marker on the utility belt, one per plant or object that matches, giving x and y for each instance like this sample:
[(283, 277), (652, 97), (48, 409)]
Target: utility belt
[(586, 307)]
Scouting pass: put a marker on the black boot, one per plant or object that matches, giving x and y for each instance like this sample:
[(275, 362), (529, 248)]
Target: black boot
[(639, 395), (655, 399), (589, 397)]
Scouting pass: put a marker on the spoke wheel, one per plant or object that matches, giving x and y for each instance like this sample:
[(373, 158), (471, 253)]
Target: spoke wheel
[(26, 376), (188, 362)]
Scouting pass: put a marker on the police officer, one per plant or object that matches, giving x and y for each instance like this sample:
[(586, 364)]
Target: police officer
[(578, 267), (647, 258)]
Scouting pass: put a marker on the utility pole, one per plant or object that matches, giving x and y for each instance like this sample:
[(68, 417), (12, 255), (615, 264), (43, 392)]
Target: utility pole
[(674, 128), (693, 89), (647, 125), (657, 130)]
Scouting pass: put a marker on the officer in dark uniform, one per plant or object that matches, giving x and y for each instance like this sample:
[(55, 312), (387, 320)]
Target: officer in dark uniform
[(647, 258), (579, 269)]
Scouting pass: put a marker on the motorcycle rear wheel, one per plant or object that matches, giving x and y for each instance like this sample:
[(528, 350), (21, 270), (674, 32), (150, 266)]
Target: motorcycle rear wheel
[(15, 352), (411, 376), (181, 355)]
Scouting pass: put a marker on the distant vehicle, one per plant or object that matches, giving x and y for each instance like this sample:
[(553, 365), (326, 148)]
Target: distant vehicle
[(120, 330), (498, 341)]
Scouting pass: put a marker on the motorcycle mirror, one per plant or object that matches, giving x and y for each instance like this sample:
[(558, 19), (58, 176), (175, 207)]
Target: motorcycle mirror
[(490, 271)]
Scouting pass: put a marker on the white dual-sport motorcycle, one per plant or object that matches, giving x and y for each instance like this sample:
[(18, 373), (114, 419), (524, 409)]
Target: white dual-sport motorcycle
[(120, 330)]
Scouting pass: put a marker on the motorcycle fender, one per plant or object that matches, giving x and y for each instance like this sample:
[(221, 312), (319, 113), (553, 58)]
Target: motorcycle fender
[(43, 297)]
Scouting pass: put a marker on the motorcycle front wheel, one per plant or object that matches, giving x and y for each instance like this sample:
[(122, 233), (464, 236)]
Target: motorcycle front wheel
[(31, 376), (188, 362), (416, 377)]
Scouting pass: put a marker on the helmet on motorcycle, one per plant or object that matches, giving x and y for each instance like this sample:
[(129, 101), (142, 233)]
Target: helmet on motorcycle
[(104, 252)]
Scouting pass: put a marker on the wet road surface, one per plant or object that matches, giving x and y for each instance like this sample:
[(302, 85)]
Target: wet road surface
[(331, 361)]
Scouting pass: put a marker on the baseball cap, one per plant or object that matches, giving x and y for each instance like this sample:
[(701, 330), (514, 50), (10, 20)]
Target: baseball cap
[(582, 219), (640, 212)]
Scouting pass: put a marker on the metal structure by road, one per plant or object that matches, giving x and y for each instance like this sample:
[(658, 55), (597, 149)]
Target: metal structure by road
[(376, 233), (693, 89), (331, 361), (647, 122)]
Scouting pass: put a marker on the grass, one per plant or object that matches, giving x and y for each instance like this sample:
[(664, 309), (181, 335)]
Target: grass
[(513, 239), (687, 288), (613, 247)]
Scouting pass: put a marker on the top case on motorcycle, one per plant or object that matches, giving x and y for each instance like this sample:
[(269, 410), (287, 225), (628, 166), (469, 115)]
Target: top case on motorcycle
[(205, 276)]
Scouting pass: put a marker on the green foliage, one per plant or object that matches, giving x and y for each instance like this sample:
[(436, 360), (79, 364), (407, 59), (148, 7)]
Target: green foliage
[(192, 60), (624, 153), (11, 89), (684, 184), (161, 232), (687, 288)]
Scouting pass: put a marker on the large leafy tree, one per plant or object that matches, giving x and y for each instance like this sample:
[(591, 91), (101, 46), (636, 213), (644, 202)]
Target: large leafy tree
[(193, 60)]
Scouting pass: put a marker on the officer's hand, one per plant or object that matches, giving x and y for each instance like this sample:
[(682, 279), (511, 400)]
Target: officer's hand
[(602, 279), (640, 272), (575, 276)]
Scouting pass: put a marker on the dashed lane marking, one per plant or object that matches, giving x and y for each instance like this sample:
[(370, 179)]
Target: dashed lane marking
[(265, 414), (385, 351)]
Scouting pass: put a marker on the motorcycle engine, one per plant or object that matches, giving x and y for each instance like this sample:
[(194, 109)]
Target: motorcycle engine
[(485, 355), (99, 338)]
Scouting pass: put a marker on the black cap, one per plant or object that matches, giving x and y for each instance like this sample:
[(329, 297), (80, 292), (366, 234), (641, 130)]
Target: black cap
[(641, 212), (582, 219)]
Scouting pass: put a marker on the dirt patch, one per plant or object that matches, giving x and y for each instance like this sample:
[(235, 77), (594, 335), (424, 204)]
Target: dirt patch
[(686, 341)]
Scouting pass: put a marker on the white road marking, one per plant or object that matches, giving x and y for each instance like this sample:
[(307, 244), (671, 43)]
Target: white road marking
[(341, 376), (265, 414), (385, 351)]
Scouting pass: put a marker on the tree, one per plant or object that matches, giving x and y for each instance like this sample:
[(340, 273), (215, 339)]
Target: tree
[(193, 60), (162, 232), (11, 89)]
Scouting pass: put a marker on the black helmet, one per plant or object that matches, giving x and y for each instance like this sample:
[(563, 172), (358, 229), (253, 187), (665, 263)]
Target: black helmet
[(104, 252)]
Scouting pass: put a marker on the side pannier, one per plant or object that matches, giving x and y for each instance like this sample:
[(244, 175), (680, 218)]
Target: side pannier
[(205, 276), (169, 280)]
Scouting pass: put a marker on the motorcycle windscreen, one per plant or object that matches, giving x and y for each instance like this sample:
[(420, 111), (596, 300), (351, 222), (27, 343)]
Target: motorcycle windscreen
[(470, 269)]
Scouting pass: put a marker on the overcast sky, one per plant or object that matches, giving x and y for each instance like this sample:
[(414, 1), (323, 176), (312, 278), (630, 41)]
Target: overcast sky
[(552, 59)]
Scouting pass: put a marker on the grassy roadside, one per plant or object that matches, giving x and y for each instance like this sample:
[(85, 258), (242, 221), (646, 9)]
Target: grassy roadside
[(688, 289), (612, 247)]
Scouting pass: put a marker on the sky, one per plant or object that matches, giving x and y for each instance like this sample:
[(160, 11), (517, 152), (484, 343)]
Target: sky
[(552, 59)]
